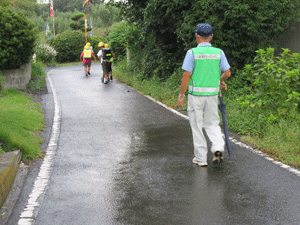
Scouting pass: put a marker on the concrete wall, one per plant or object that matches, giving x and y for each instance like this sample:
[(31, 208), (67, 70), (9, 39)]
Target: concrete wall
[(17, 78)]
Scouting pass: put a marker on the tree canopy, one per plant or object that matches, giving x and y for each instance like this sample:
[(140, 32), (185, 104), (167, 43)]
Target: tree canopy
[(67, 5), (240, 27)]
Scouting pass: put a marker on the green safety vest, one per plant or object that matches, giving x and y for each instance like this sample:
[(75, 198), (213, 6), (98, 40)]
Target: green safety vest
[(205, 79)]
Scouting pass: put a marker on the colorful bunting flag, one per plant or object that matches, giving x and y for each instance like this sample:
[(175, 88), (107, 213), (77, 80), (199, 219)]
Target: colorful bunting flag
[(51, 9)]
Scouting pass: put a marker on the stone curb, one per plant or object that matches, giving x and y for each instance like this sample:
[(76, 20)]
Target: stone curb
[(9, 165)]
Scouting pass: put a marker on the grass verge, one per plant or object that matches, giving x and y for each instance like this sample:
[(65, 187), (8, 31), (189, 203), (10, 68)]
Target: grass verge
[(281, 142), (166, 92), (21, 121)]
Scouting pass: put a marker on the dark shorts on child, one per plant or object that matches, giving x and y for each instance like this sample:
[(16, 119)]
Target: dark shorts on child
[(105, 67)]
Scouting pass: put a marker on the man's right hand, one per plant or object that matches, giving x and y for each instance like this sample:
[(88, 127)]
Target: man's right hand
[(223, 85), (180, 102)]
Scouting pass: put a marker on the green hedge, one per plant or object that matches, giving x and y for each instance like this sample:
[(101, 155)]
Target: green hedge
[(117, 39), (69, 46), (17, 37)]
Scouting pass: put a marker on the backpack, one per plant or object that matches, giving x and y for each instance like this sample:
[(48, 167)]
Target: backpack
[(87, 54), (107, 54)]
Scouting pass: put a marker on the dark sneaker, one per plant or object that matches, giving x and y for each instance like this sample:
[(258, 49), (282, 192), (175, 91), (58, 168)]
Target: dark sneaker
[(89, 73), (218, 158), (195, 161), (111, 78)]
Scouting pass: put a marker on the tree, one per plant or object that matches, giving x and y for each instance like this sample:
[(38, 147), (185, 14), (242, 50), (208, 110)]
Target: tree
[(78, 23), (67, 5), (240, 28), (27, 7), (17, 37), (104, 15), (156, 21)]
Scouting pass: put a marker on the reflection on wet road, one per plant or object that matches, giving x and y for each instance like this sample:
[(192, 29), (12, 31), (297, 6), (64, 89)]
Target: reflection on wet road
[(158, 183)]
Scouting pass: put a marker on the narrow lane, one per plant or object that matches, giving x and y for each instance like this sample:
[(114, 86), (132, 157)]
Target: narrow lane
[(123, 159)]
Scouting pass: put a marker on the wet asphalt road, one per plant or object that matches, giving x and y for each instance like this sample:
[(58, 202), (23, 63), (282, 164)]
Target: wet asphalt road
[(123, 159)]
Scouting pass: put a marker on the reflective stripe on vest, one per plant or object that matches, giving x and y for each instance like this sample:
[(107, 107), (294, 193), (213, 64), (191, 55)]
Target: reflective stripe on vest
[(204, 90), (205, 79)]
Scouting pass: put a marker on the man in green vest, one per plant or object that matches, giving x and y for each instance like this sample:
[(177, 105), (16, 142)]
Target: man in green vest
[(202, 77)]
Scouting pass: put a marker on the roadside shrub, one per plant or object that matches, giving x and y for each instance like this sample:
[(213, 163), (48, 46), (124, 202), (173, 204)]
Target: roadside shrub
[(45, 53), (271, 93), (117, 39), (274, 81), (17, 37), (69, 46)]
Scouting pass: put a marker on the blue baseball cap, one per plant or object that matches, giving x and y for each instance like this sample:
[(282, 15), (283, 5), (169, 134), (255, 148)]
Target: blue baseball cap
[(204, 29)]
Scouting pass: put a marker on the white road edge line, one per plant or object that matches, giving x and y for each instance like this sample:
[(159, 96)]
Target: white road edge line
[(41, 182), (255, 151)]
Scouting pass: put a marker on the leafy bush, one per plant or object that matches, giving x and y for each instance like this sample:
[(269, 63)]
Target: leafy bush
[(275, 82), (117, 39), (69, 46), (264, 93), (17, 37), (45, 53)]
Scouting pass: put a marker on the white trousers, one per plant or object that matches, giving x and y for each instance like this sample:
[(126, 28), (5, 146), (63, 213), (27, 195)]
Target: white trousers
[(203, 113)]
